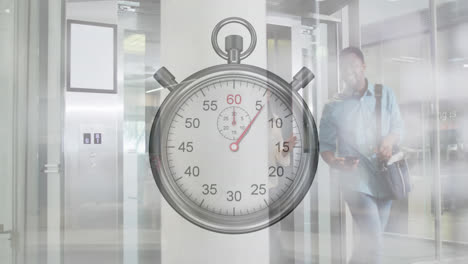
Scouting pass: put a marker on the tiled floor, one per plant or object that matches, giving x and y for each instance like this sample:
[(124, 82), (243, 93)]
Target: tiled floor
[(402, 250)]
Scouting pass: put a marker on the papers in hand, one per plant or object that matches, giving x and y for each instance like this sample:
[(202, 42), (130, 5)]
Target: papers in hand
[(396, 157)]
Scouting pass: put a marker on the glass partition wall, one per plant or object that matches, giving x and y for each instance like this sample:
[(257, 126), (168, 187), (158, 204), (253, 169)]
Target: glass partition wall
[(452, 59), (397, 48), (6, 117), (400, 47)]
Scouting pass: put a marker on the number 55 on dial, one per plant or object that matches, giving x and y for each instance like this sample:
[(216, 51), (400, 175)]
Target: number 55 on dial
[(233, 148)]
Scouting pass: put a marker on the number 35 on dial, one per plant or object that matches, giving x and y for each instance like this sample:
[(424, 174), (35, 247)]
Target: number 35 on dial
[(233, 151)]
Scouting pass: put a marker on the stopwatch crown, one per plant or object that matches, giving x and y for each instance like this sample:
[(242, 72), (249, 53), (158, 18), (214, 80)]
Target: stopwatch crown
[(234, 46)]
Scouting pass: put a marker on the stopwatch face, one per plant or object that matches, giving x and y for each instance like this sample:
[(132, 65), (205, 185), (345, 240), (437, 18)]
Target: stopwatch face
[(233, 149)]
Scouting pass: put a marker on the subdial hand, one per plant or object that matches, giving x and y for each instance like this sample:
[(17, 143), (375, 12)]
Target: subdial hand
[(234, 116)]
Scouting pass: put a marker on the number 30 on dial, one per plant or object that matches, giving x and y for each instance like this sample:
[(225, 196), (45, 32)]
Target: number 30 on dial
[(234, 149)]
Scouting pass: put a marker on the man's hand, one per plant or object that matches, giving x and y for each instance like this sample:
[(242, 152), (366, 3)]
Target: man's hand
[(292, 142), (385, 149), (343, 164), (338, 162)]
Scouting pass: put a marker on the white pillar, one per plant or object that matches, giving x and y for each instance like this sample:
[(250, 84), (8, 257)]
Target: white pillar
[(185, 49)]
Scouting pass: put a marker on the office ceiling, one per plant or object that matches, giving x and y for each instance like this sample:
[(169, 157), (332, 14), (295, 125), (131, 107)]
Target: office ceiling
[(305, 7)]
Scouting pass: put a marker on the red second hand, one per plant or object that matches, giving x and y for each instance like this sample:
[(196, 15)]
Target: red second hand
[(235, 146)]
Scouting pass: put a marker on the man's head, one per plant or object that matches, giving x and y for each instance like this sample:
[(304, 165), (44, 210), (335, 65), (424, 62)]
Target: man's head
[(352, 67)]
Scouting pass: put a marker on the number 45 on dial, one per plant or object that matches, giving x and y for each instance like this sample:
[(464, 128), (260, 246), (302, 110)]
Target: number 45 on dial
[(233, 148)]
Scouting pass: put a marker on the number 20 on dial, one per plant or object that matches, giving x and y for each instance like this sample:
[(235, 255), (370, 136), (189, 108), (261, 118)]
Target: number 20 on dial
[(233, 148)]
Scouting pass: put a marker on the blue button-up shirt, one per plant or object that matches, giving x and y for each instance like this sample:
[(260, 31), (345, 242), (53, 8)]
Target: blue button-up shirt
[(348, 128)]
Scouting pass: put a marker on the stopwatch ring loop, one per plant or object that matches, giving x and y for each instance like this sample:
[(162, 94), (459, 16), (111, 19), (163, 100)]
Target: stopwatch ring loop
[(230, 20)]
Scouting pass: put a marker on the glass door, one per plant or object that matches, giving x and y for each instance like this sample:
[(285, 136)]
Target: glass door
[(6, 129), (452, 55), (314, 230), (31, 116)]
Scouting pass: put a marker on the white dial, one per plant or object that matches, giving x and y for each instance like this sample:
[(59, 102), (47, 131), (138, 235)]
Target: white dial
[(233, 148), (233, 153), (230, 180)]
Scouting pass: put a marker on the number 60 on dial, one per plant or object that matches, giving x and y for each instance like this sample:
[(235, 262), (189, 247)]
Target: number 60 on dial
[(233, 148)]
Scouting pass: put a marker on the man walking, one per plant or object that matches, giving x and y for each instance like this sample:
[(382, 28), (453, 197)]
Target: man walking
[(348, 143)]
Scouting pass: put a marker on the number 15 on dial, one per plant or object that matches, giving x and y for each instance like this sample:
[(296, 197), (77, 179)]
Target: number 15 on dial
[(233, 148)]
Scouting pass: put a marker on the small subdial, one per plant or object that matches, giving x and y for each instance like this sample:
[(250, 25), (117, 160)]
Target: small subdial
[(232, 121)]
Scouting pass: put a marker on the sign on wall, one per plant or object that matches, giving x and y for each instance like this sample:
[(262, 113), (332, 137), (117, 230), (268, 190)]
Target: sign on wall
[(92, 57)]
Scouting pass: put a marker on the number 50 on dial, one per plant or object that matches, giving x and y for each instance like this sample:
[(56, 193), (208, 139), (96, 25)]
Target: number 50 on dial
[(234, 150)]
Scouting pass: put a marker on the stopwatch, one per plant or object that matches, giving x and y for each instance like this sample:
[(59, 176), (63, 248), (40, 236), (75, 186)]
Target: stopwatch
[(233, 147)]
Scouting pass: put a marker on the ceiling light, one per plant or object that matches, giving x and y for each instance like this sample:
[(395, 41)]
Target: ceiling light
[(129, 3), (457, 59), (127, 8), (411, 58), (402, 60), (7, 11), (406, 59), (465, 65), (155, 90)]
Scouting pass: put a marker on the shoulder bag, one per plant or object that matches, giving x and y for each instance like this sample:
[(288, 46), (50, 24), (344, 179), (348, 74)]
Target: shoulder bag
[(394, 171)]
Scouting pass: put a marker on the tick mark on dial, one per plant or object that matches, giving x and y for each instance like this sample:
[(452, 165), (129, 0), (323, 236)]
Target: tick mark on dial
[(178, 179), (202, 202), (288, 115), (179, 115), (266, 202)]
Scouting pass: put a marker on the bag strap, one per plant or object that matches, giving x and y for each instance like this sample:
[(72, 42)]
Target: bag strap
[(378, 116), (378, 112)]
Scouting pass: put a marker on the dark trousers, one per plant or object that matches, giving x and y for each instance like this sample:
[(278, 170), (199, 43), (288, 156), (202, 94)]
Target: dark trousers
[(370, 216)]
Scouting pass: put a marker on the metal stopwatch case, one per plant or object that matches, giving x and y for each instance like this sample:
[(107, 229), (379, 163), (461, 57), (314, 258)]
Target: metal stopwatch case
[(233, 148)]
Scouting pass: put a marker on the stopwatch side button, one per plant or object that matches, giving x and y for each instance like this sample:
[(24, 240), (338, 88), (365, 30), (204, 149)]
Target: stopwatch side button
[(165, 78), (302, 79)]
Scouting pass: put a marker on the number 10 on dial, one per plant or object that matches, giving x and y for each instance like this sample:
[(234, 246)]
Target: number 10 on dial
[(233, 148)]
